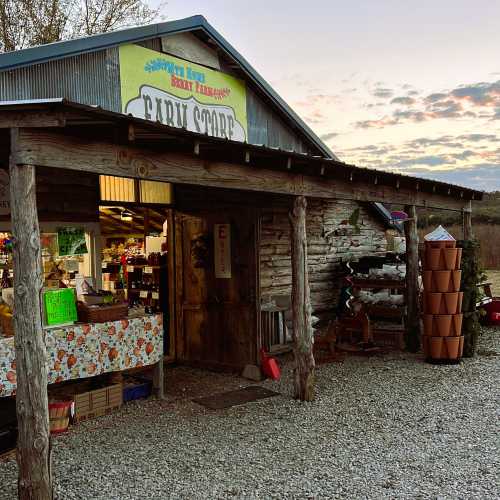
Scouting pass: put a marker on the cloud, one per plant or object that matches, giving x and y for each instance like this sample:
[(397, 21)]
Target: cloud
[(479, 137), (482, 176), (329, 136), (404, 100), (381, 123), (430, 160), (438, 96), (481, 94), (410, 115), (466, 102), (383, 93)]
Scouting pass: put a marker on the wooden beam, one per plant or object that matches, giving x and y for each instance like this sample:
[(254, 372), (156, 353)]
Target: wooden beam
[(412, 333), (48, 148), (301, 305), (18, 119), (467, 222), (33, 443)]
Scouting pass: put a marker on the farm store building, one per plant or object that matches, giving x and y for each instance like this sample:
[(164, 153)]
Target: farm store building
[(164, 135)]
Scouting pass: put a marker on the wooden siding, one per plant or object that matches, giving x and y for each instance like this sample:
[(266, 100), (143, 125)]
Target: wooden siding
[(329, 243), (266, 128)]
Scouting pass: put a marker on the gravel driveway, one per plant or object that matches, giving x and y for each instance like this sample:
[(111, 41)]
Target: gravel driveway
[(382, 427)]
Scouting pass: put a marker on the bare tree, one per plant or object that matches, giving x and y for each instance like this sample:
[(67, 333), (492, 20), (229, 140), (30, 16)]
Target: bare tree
[(26, 23)]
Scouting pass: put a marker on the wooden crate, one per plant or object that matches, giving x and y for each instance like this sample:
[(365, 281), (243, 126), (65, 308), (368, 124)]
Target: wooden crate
[(99, 402)]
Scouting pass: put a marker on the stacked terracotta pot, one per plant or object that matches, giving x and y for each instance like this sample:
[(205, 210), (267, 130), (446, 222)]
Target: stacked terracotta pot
[(442, 340)]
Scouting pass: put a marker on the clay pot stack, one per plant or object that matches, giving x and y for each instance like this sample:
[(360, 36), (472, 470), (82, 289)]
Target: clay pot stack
[(442, 340)]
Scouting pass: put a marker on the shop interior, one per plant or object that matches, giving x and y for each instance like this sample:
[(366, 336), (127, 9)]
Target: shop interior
[(106, 289)]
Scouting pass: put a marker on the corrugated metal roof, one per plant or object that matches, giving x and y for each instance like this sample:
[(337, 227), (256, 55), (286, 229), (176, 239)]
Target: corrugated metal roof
[(58, 50)]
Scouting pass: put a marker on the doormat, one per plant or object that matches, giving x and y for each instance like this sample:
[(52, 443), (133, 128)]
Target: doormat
[(234, 398)]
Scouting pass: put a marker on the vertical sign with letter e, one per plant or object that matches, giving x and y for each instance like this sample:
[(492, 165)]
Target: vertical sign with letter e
[(222, 250)]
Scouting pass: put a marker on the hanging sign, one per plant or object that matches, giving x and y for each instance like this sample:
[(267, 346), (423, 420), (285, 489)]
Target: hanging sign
[(60, 306), (162, 88), (71, 241), (222, 250)]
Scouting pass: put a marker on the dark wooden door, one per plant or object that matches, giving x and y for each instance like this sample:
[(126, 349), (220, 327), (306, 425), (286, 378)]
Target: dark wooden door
[(216, 317)]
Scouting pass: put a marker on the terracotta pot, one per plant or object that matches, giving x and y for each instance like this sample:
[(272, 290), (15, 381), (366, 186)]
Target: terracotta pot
[(451, 302), (452, 346), (441, 280), (456, 277), (459, 258), (428, 325), (450, 258), (427, 280), (457, 325), (443, 324), (460, 300), (432, 303), (433, 259), (461, 347), (436, 346), (440, 244)]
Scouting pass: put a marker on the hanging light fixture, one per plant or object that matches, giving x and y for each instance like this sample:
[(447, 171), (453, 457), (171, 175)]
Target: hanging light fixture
[(126, 216)]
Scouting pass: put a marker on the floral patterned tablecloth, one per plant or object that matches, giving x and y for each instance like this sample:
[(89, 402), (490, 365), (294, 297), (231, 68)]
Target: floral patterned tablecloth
[(87, 350)]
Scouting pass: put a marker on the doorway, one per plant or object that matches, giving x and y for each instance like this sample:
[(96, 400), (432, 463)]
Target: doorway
[(215, 254)]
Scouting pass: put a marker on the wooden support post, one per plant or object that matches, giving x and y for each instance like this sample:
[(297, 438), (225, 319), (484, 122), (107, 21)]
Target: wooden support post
[(159, 380), (412, 334), (301, 304), (33, 443), (467, 222)]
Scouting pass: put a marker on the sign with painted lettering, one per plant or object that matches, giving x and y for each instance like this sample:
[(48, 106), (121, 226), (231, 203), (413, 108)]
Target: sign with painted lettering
[(163, 88), (60, 306), (222, 250)]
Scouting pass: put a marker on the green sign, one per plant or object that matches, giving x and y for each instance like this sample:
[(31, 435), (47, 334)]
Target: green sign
[(71, 241), (163, 88), (60, 306)]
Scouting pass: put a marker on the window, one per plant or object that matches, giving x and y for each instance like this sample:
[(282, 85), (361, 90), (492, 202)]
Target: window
[(120, 189)]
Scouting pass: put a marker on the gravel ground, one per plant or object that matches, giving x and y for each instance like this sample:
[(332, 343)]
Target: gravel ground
[(388, 426)]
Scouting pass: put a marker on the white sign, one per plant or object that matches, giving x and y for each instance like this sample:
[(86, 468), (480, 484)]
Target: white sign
[(4, 192), (222, 250), (216, 120)]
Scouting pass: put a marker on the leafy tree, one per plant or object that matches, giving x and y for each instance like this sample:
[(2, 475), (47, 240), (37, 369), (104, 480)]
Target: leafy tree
[(26, 23)]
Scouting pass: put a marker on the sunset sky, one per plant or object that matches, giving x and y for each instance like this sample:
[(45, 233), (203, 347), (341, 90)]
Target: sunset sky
[(412, 87)]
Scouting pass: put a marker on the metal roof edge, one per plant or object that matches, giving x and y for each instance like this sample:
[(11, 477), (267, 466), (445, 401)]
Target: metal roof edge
[(68, 48), (92, 43)]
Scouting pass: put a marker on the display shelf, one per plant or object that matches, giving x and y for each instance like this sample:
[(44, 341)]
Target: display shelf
[(366, 283)]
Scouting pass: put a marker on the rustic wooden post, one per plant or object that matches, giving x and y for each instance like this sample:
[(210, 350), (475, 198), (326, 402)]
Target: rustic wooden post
[(467, 222), (301, 304), (412, 334), (33, 444)]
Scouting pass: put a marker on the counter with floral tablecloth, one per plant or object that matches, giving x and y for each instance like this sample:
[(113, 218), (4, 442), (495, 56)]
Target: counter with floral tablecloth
[(87, 350)]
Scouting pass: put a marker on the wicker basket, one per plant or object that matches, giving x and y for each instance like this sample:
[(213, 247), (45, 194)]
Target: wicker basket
[(58, 425), (100, 314), (59, 413), (7, 324)]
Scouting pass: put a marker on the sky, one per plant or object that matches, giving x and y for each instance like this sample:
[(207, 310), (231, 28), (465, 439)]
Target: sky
[(405, 86)]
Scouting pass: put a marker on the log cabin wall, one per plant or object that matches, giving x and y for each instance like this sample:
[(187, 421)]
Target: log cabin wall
[(330, 240)]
